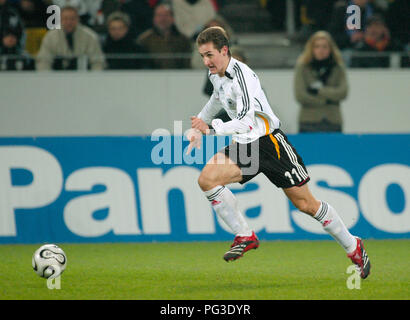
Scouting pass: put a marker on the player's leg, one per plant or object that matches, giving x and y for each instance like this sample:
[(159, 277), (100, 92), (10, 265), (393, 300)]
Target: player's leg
[(287, 171), (323, 212), (303, 199), (218, 172)]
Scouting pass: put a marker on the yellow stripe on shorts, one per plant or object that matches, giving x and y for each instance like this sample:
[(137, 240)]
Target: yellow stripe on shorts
[(275, 142)]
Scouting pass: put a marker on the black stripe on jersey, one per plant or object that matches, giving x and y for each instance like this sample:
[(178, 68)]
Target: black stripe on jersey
[(241, 78), (245, 97), (260, 105), (244, 100)]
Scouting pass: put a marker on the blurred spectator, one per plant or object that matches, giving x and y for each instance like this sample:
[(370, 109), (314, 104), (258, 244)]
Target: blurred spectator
[(110, 6), (320, 84), (164, 38), (376, 39), (277, 11), (34, 16), (94, 16), (78, 4), (140, 13), (398, 20), (61, 48), (85, 8), (99, 15), (314, 16), (218, 21), (344, 37), (10, 19), (119, 41), (192, 15), (381, 4), (12, 57), (33, 13)]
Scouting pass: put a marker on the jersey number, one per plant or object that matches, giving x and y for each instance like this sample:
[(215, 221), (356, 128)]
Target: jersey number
[(289, 176)]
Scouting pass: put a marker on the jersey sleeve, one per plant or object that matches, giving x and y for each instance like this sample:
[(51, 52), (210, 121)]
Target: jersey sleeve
[(211, 109)]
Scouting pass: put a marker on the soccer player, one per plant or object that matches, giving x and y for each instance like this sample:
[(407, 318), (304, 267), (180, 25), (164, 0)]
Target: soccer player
[(258, 146)]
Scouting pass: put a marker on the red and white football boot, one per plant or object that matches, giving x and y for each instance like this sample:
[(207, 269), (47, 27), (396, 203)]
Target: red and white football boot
[(240, 246), (360, 259)]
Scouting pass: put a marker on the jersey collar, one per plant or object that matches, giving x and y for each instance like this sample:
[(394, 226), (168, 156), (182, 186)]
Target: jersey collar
[(229, 69)]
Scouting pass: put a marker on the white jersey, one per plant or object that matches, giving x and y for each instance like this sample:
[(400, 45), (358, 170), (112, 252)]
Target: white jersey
[(239, 92)]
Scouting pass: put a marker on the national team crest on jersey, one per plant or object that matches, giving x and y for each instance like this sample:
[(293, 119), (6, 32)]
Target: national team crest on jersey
[(231, 103)]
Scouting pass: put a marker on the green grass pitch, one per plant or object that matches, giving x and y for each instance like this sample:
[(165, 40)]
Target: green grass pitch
[(196, 270)]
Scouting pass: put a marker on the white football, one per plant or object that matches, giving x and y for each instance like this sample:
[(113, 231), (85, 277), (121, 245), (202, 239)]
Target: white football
[(49, 261)]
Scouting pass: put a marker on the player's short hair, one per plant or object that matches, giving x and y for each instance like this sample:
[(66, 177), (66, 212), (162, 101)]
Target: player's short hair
[(216, 35)]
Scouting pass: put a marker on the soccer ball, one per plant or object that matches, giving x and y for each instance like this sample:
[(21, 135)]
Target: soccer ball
[(49, 261)]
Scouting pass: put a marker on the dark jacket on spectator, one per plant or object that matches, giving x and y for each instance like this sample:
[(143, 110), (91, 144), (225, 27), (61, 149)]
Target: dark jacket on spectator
[(36, 18), (126, 45), (398, 20), (141, 15), (10, 19), (337, 26), (14, 58)]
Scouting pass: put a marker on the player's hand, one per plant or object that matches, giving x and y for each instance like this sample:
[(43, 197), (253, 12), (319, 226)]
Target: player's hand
[(217, 124), (199, 124), (195, 138)]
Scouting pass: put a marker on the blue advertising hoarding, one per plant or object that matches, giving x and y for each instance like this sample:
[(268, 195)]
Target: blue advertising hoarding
[(108, 189)]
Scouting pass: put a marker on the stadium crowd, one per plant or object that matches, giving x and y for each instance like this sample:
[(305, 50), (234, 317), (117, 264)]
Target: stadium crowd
[(160, 34)]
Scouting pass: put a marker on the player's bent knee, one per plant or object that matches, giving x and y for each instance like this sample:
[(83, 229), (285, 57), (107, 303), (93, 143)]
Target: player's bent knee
[(202, 182), (206, 182)]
